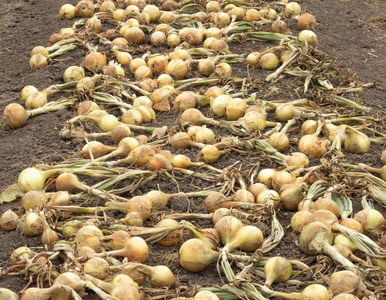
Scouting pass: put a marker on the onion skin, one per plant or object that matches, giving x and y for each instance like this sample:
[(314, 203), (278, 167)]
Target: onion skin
[(347, 282), (299, 220), (315, 292), (248, 238), (314, 236), (196, 255), (97, 267), (7, 294), (9, 221), (370, 219), (227, 228)]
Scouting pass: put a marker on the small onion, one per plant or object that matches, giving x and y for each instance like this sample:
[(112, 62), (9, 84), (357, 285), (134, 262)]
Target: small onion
[(279, 26), (196, 255), (356, 142), (277, 269), (299, 220), (347, 282), (206, 295), (306, 21), (268, 197), (370, 218), (265, 176), (309, 127), (177, 68), (248, 238), (15, 115), (38, 61), (315, 292), (309, 36), (292, 9), (94, 61), (85, 9), (235, 108), (210, 153), (9, 221), (252, 15), (97, 267), (36, 100), (33, 199), (67, 11), (206, 67), (158, 39)]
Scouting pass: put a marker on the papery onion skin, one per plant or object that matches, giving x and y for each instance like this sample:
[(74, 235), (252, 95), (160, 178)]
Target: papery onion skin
[(227, 228), (15, 115), (6, 294), (277, 269), (347, 282), (196, 255), (9, 221), (315, 292), (314, 231), (299, 220)]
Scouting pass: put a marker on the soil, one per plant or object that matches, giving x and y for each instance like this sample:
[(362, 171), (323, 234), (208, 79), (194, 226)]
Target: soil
[(351, 32)]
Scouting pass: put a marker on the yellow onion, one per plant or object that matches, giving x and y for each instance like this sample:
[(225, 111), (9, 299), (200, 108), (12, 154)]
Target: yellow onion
[(252, 15), (31, 179), (40, 50), (132, 9), (268, 13), (292, 9), (173, 40), (319, 148), (352, 224), (299, 220), (119, 15), (158, 161), (116, 240), (205, 135), (206, 67), (222, 19), (177, 68), (164, 80), (133, 219), (223, 69), (219, 45), (356, 142), (132, 116), (59, 198), (107, 6), (192, 36), (315, 292), (184, 101), (306, 21), (253, 59), (212, 93), (213, 6), (93, 25), (158, 39), (27, 91), (291, 195), (20, 255), (160, 276), (309, 127), (153, 12), (213, 32), (255, 120), (248, 238), (236, 13), (306, 142), (370, 218), (36, 100), (97, 149), (194, 116), (210, 153), (32, 224), (136, 63), (343, 240), (73, 73), (227, 228), (139, 204), (147, 113), (265, 176), (9, 221), (235, 108), (314, 236), (135, 35), (286, 112), (206, 295), (67, 11), (279, 26), (277, 269), (268, 197), (171, 239), (219, 104), (257, 188), (383, 157), (298, 160), (85, 9), (279, 141), (95, 61), (281, 178), (15, 115), (97, 267), (243, 195), (309, 36), (347, 282), (324, 216), (181, 54), (196, 255), (345, 297), (326, 203), (33, 199), (157, 63), (38, 61)]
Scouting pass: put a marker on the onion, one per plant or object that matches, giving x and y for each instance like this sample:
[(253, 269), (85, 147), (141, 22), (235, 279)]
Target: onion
[(196, 255), (268, 197), (309, 127), (15, 116), (93, 25), (132, 9), (153, 12), (277, 269), (291, 195), (184, 101), (205, 135), (383, 157), (268, 13), (135, 35), (147, 113), (95, 61), (206, 295), (158, 39), (49, 236), (136, 63), (213, 6), (255, 120), (158, 161), (222, 19), (243, 195), (279, 141), (194, 116), (124, 58), (306, 21), (7, 294), (97, 149), (356, 142), (73, 73), (157, 63), (40, 294), (120, 132), (40, 50), (71, 280), (132, 116), (248, 238), (223, 69), (347, 282), (210, 153), (173, 40), (235, 108), (281, 178), (27, 91), (345, 297), (309, 36), (160, 276), (306, 142), (88, 231), (139, 156), (117, 240), (36, 100), (227, 228), (206, 67), (167, 17), (177, 68), (171, 239), (265, 176), (324, 216), (213, 32), (298, 160), (85, 9), (59, 198), (139, 204), (219, 104), (326, 203), (38, 61), (32, 224), (319, 148), (299, 220), (252, 15), (279, 26), (219, 45), (119, 15), (352, 224), (67, 11), (133, 219), (97, 267), (32, 179), (236, 13), (370, 218), (143, 19), (107, 6), (286, 112), (21, 255), (71, 228), (9, 221), (315, 292), (343, 240), (292, 9), (33, 199), (257, 188), (192, 36), (164, 80)]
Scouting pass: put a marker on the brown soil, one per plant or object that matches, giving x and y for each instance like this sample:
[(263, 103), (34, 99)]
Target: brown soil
[(352, 32)]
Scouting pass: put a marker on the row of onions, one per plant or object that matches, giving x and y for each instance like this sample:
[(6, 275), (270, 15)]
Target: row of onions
[(99, 213)]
